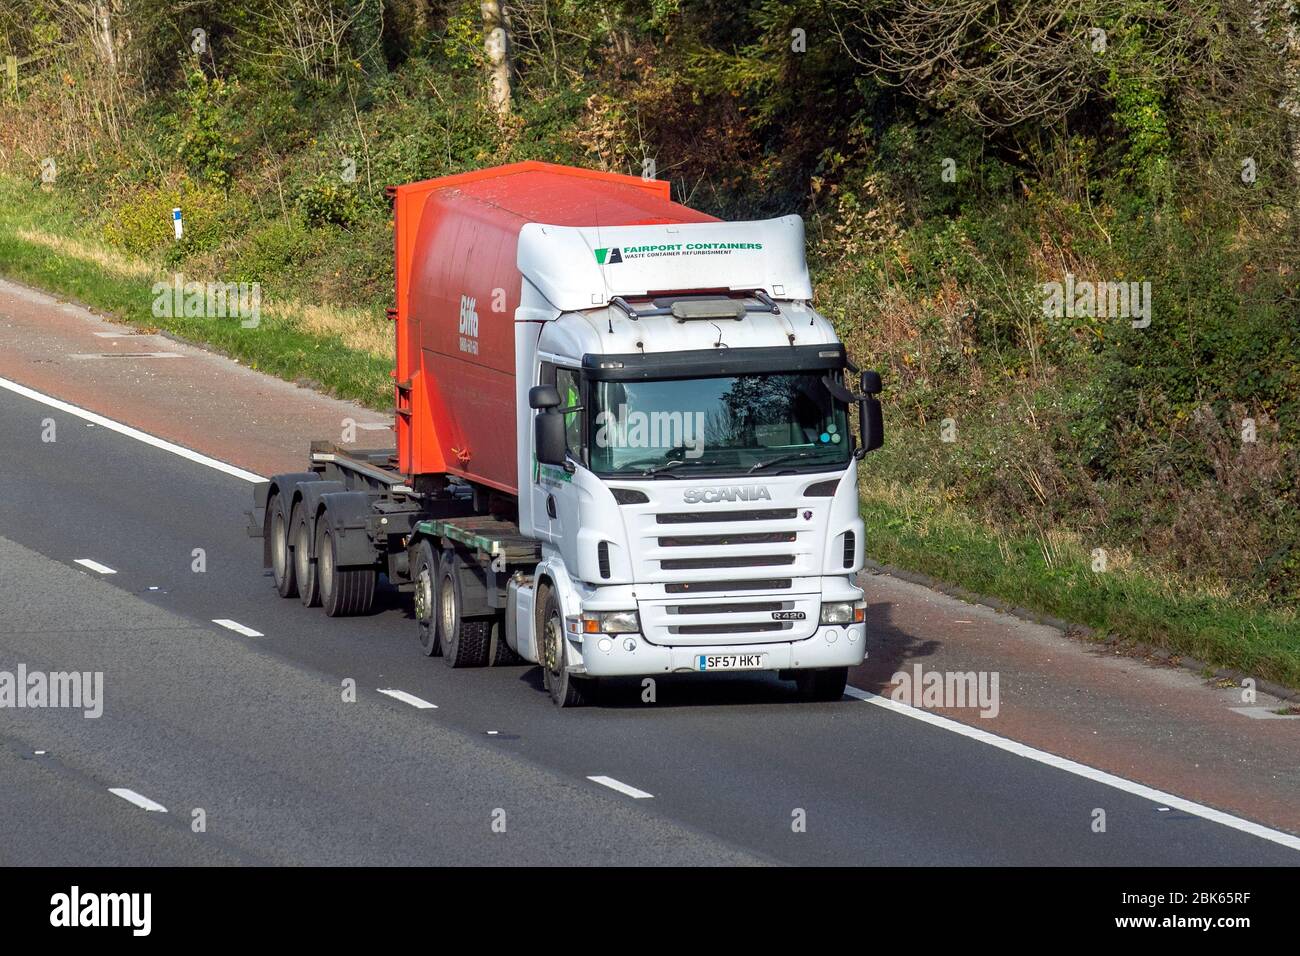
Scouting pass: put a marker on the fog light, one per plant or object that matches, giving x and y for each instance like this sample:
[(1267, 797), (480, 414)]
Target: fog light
[(605, 645), (832, 635), (629, 644), (852, 634)]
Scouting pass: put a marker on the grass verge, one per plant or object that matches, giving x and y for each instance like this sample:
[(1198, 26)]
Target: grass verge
[(1053, 574), (44, 244)]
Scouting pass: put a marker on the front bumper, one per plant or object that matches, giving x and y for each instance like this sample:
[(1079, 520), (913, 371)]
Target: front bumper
[(830, 646)]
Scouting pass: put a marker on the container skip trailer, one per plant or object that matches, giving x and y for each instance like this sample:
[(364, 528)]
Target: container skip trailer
[(623, 443)]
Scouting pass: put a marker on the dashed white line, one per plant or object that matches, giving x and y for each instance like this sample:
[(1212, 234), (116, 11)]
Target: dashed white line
[(237, 627), (130, 432), (1167, 800), (621, 787), (406, 698), (144, 803), (94, 566)]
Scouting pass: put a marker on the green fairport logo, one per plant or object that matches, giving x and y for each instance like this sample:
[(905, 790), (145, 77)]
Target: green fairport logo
[(603, 256)]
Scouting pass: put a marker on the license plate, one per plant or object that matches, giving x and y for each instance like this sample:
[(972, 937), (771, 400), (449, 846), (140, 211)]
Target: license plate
[(730, 662)]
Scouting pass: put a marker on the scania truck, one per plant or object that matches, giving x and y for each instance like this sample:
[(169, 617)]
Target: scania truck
[(625, 443)]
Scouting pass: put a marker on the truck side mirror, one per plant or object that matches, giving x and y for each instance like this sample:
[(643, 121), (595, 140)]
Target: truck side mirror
[(549, 433), (543, 396), (870, 417)]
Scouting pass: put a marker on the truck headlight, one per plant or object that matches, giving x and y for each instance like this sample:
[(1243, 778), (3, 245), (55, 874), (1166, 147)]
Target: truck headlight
[(611, 622), (844, 612)]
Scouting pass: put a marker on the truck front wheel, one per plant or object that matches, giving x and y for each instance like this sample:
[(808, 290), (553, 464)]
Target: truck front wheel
[(824, 684), (565, 689)]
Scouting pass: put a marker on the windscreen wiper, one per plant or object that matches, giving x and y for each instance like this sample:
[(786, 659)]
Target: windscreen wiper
[(793, 456)]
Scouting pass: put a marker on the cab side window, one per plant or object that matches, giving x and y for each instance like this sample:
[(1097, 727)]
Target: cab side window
[(569, 385)]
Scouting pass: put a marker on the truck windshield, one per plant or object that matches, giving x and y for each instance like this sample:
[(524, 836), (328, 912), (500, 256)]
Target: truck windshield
[(724, 425)]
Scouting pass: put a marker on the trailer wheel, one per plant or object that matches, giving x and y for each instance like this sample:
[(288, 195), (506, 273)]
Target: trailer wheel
[(566, 690), (464, 643), (825, 684), (499, 652), (282, 565), (304, 569), (426, 599), (344, 592)]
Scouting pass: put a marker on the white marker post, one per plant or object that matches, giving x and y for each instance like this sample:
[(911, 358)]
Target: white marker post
[(176, 222)]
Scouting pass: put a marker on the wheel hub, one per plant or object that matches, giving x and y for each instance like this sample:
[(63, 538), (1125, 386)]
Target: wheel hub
[(424, 596)]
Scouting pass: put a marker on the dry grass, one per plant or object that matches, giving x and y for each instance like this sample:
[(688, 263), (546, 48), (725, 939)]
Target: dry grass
[(357, 329)]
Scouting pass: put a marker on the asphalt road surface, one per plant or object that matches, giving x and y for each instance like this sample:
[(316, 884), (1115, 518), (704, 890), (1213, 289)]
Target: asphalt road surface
[(254, 738)]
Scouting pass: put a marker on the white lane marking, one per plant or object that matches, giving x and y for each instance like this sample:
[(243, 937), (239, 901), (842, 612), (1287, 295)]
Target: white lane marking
[(1080, 770), (237, 627), (621, 787), (94, 566), (374, 426), (406, 698), (144, 803), (112, 335), (98, 355), (129, 432), (1262, 713)]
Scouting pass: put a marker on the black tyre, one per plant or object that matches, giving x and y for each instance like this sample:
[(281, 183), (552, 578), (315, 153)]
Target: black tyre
[(344, 592), (282, 566), (304, 566), (426, 598), (464, 642), (499, 652), (565, 689), (825, 684)]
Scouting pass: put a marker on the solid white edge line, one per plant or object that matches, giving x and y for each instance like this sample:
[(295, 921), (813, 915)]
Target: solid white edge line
[(94, 566), (406, 698), (130, 432), (1078, 769), (144, 803), (237, 627), (621, 787)]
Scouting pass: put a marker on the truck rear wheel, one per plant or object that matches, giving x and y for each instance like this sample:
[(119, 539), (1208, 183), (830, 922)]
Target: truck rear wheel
[(344, 592), (464, 643), (304, 569), (426, 599), (824, 684), (282, 566), (565, 689)]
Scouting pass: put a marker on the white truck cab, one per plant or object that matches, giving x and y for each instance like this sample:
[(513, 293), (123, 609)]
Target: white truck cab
[(685, 459)]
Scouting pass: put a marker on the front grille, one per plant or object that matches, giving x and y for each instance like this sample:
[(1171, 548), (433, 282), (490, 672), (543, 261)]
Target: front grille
[(698, 587), (741, 628), (736, 561), (699, 540), (708, 517), (750, 607)]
